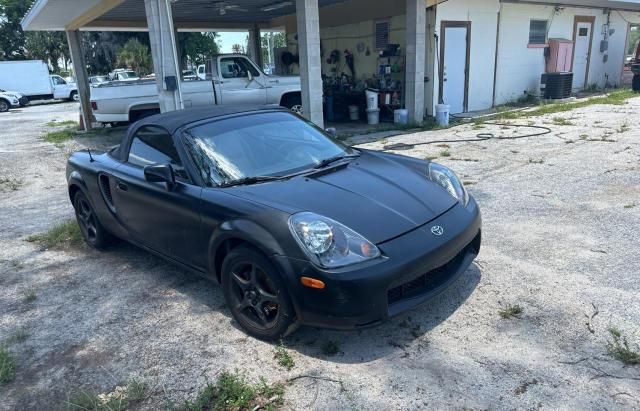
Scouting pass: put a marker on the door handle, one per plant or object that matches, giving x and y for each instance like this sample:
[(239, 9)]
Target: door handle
[(121, 186), (274, 81)]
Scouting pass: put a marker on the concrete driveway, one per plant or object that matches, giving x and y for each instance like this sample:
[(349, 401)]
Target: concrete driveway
[(561, 241)]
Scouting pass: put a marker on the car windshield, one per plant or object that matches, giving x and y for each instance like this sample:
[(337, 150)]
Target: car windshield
[(274, 144)]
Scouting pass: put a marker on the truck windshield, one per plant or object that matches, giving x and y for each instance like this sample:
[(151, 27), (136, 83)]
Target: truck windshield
[(274, 144), (128, 74)]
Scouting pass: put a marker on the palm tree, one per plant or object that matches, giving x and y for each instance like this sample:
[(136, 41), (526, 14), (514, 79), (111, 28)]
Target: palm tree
[(135, 55)]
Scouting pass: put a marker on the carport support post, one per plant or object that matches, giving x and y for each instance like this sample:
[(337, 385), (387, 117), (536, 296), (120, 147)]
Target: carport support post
[(255, 45), (416, 32), (164, 53), (308, 19), (82, 78)]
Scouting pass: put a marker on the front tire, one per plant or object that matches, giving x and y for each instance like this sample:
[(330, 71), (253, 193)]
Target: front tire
[(4, 106), (74, 96), (256, 295), (91, 229), (294, 103)]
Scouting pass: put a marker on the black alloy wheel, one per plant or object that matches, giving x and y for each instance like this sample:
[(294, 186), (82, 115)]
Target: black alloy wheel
[(255, 294), (92, 230)]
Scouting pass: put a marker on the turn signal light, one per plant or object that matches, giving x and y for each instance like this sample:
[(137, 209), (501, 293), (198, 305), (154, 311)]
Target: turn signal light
[(312, 283)]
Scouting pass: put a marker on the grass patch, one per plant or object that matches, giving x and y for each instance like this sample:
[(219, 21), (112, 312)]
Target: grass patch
[(511, 311), (559, 121), (431, 158), (282, 356), (29, 296), (19, 336), (7, 366), (330, 348), (10, 184), (120, 399), (233, 392), (59, 236), (59, 136), (445, 153), (619, 348), (618, 97), (629, 205), (66, 123), (584, 136), (536, 161)]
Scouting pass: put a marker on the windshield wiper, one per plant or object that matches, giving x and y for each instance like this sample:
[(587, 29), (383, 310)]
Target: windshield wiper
[(332, 160), (249, 180)]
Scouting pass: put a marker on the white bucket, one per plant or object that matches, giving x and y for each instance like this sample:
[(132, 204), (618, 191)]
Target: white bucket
[(354, 113), (372, 99), (442, 114), (373, 116), (401, 116)]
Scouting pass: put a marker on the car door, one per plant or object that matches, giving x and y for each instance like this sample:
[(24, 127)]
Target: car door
[(165, 219), (237, 86), (60, 87)]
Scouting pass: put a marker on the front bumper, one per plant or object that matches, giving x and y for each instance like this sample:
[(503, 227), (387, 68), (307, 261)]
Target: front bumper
[(23, 101), (415, 267)]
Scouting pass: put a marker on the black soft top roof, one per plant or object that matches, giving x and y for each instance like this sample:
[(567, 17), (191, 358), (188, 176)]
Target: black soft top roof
[(173, 120)]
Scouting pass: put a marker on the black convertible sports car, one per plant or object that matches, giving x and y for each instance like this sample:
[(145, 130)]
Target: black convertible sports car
[(297, 227)]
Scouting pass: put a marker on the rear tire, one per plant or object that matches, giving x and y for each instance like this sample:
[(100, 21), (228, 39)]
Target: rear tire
[(74, 96), (294, 103), (636, 83), (256, 295), (92, 230), (4, 105)]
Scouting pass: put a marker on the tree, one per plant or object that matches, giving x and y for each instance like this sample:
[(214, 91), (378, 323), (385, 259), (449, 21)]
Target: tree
[(270, 41), (101, 48), (12, 38), (238, 49), (196, 48), (136, 56), (49, 46)]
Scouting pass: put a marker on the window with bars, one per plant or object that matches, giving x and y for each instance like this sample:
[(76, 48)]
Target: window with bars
[(538, 32), (381, 34)]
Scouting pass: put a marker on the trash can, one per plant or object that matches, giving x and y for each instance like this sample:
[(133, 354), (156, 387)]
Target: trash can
[(442, 114)]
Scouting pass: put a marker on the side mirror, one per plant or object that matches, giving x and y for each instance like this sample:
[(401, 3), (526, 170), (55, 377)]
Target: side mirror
[(332, 132), (160, 173)]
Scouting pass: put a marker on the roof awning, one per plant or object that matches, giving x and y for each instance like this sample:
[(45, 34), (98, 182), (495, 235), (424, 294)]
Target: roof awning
[(630, 5), (205, 15)]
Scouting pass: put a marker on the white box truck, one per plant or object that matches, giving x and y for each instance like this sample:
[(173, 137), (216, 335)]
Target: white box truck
[(31, 78)]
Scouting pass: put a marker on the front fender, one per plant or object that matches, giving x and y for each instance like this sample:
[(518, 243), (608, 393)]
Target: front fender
[(243, 230)]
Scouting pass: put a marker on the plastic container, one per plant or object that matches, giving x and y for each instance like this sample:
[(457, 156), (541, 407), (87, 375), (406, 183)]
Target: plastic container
[(354, 113), (372, 99), (401, 116), (442, 114), (373, 116)]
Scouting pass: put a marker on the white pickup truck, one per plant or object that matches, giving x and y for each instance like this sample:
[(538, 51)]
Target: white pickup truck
[(230, 79)]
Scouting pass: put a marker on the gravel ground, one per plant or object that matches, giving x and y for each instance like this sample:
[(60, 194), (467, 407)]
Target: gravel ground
[(561, 216)]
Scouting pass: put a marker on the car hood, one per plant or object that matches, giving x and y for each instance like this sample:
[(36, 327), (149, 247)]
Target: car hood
[(375, 195)]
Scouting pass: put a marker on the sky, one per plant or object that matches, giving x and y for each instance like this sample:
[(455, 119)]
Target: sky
[(228, 38)]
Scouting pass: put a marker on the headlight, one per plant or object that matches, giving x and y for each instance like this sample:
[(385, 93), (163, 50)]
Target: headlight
[(449, 180), (329, 243)]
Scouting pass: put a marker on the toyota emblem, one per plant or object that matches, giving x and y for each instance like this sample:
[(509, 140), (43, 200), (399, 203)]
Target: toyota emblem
[(437, 230)]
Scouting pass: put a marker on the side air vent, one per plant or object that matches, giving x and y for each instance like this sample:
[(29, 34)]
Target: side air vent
[(105, 189)]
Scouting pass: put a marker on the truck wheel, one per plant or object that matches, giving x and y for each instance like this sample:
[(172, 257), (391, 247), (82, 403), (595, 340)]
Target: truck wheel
[(294, 103), (74, 96), (4, 106), (636, 82)]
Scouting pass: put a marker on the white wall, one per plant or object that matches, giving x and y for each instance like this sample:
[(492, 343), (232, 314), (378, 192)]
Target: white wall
[(519, 67), (483, 16)]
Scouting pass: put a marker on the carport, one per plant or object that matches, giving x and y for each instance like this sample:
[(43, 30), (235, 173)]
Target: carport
[(162, 18)]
